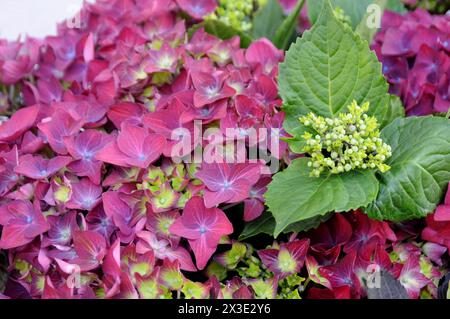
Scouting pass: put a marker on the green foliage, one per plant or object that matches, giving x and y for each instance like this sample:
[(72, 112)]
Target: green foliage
[(270, 22), (263, 225), (266, 225), (394, 111), (267, 20), (288, 27), (356, 10), (294, 195), (420, 168), (325, 70), (328, 68)]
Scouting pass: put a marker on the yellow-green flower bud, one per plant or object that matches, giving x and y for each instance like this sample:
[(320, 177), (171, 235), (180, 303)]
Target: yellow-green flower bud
[(349, 141), (235, 13)]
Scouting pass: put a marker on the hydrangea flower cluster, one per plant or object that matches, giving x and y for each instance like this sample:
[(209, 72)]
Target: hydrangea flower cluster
[(350, 141), (90, 189), (415, 52), (349, 249), (335, 261), (235, 13), (94, 204)]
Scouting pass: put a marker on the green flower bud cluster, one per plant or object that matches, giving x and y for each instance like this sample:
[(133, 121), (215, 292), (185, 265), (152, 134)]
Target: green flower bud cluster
[(347, 142), (235, 13)]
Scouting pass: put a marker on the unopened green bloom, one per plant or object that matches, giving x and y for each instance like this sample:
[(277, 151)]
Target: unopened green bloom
[(235, 13), (349, 141)]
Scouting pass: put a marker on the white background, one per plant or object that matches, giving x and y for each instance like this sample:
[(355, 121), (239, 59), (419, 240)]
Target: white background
[(37, 18)]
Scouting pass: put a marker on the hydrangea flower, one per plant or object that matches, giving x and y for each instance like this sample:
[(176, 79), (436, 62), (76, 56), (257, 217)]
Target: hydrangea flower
[(228, 183), (350, 141), (22, 222), (203, 227), (88, 185), (286, 260)]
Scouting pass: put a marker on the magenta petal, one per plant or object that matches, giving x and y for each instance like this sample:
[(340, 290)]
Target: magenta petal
[(140, 147), (178, 228), (197, 8), (89, 245), (60, 125), (111, 154), (20, 122), (184, 258), (111, 265), (117, 209), (442, 213), (37, 167), (14, 236), (202, 251), (212, 199), (85, 195), (125, 111), (434, 252), (203, 227), (270, 258), (298, 250), (253, 208), (57, 163), (447, 195), (131, 140), (411, 277), (22, 222)]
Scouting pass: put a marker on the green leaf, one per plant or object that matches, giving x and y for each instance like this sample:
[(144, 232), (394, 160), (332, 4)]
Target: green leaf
[(396, 6), (328, 68), (308, 224), (294, 196), (266, 225), (263, 225), (394, 110), (420, 168), (222, 31), (355, 9), (297, 142), (267, 20), (287, 28)]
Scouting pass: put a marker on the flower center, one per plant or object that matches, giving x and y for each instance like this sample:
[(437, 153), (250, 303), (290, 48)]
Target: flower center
[(226, 185), (165, 62), (212, 91), (29, 219)]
